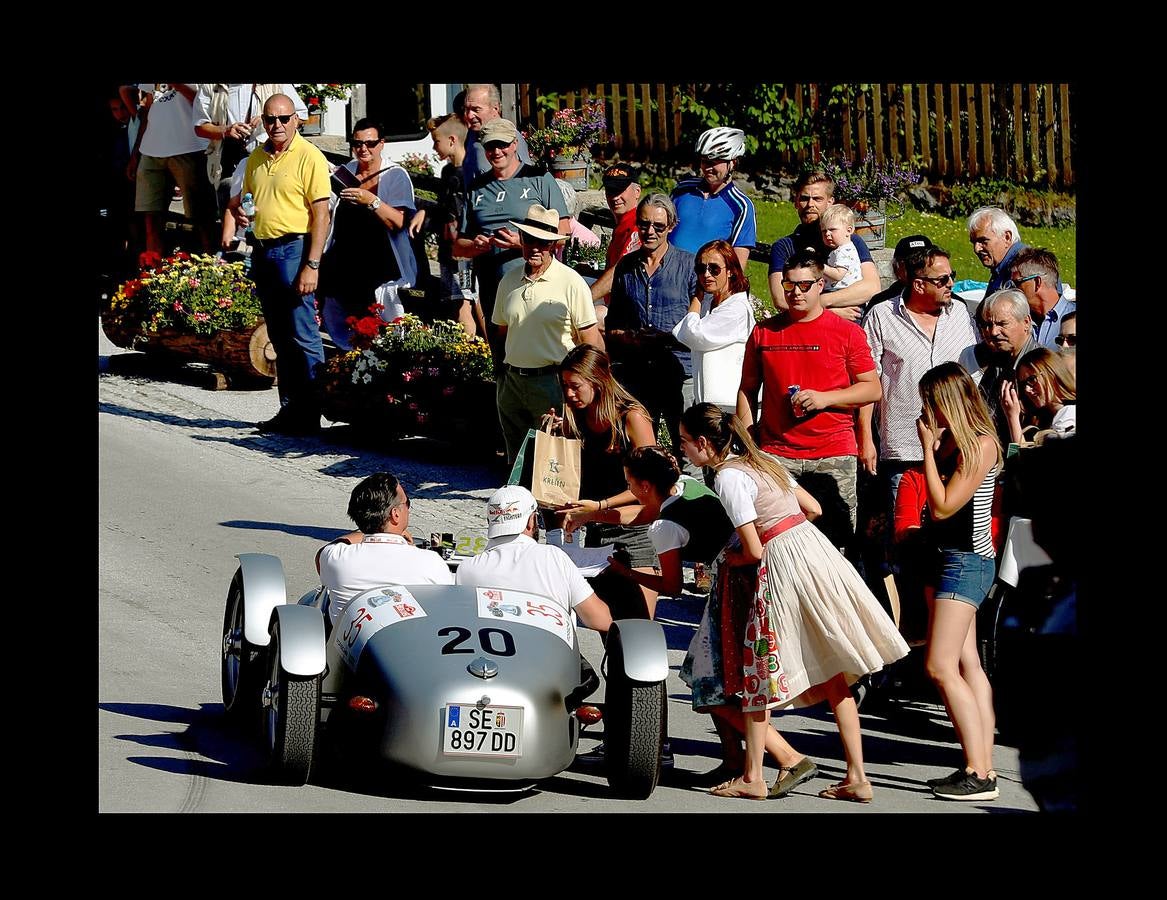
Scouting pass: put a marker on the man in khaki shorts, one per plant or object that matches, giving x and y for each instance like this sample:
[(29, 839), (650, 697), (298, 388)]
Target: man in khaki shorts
[(168, 152)]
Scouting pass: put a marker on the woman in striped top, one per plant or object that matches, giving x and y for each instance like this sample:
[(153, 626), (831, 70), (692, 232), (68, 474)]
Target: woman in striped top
[(962, 457)]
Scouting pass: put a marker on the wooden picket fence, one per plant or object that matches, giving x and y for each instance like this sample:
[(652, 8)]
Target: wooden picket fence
[(1021, 132)]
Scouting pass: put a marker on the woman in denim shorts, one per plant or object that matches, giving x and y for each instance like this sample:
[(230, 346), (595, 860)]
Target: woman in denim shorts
[(962, 457)]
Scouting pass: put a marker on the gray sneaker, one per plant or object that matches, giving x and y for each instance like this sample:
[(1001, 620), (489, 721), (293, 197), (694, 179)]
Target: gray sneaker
[(969, 789)]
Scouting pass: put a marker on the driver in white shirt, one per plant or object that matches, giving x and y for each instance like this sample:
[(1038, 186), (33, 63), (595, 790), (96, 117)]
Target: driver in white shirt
[(381, 552)]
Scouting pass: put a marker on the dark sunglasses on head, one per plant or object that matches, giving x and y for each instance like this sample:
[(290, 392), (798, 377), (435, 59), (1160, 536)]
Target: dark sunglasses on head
[(939, 280), (1070, 339), (284, 120), (712, 268), (658, 227), (803, 286), (367, 144)]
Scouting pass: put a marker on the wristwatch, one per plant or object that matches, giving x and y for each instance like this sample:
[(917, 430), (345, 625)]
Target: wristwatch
[(376, 202), (312, 263)]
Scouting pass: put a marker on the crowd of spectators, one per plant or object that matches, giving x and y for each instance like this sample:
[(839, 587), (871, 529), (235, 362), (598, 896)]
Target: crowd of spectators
[(924, 392)]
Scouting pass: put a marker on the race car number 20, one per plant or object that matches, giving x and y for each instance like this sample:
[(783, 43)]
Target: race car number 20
[(471, 730)]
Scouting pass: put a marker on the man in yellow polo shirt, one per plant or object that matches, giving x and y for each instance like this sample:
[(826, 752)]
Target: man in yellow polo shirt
[(542, 310), (288, 180)]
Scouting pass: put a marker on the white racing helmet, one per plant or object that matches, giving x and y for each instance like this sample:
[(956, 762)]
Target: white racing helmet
[(721, 143)]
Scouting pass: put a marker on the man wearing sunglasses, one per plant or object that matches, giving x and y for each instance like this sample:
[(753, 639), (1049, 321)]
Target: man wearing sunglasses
[(814, 191), (288, 179), (814, 370), (651, 290), (1035, 273)]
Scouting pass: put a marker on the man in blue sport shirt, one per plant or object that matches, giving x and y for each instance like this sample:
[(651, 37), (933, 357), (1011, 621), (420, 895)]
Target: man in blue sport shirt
[(710, 206)]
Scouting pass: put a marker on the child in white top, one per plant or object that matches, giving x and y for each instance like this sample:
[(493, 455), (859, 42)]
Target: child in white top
[(842, 267)]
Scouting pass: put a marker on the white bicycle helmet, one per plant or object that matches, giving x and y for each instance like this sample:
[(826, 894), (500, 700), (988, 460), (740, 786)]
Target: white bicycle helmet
[(721, 143)]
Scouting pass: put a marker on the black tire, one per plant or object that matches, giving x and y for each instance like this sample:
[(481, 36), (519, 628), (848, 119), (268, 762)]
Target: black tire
[(291, 718), (635, 722), (240, 663)]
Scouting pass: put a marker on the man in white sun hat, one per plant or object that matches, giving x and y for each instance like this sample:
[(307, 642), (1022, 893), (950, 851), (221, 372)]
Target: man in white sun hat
[(541, 311), (514, 559)]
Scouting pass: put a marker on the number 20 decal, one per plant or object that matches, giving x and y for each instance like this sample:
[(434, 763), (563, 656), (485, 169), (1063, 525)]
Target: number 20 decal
[(486, 640)]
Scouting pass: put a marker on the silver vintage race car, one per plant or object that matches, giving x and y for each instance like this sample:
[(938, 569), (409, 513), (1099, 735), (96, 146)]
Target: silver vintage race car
[(472, 688)]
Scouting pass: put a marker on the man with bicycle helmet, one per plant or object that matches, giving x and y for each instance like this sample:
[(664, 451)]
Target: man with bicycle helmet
[(709, 206)]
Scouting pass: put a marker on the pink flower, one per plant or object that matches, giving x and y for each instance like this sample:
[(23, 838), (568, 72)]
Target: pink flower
[(433, 372), (202, 317), (421, 418), (448, 391), (194, 282), (407, 376), (224, 302), (414, 407), (390, 399), (178, 306)]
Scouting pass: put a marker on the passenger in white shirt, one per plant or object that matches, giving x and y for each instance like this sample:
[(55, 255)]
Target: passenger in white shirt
[(514, 559), (381, 552)]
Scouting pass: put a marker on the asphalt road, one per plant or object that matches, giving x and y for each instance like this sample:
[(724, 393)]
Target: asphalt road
[(185, 483)]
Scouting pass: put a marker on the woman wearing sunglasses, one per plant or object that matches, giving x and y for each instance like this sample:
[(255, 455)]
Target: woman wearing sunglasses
[(717, 326), (368, 257), (1043, 397)]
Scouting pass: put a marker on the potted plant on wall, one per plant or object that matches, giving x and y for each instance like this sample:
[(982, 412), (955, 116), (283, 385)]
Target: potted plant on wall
[(869, 188), (565, 144), (316, 97)]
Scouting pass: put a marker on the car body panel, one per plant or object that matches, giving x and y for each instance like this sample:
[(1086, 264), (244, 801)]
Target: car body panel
[(302, 639), (263, 591)]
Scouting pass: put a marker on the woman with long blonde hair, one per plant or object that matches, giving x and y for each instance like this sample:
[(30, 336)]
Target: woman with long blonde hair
[(812, 627), (600, 412), (962, 457), (1042, 397)]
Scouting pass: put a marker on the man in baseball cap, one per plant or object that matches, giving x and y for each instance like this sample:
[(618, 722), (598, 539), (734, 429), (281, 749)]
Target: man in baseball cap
[(906, 246), (622, 191), (514, 559)]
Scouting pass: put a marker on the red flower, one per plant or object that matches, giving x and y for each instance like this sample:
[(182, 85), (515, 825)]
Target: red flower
[(313, 101), (148, 259)]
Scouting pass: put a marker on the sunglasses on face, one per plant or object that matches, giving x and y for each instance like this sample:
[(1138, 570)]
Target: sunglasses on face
[(939, 280), (541, 243), (1066, 339), (712, 268), (803, 286), (284, 120), (1031, 381), (658, 227), (366, 144)]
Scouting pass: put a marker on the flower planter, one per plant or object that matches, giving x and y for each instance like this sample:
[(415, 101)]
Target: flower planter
[(575, 170), (871, 225), (245, 355)]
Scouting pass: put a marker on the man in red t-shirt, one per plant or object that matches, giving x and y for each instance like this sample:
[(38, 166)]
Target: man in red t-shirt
[(622, 191), (815, 371)]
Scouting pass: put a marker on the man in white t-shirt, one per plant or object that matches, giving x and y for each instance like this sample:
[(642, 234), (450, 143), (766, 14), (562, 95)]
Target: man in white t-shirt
[(514, 559), (381, 552), (168, 152)]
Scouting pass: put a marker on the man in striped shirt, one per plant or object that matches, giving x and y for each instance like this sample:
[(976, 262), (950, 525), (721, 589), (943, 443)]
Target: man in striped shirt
[(909, 335)]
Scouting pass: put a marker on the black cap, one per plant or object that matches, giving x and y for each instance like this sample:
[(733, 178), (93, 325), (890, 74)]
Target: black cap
[(910, 243), (618, 176)]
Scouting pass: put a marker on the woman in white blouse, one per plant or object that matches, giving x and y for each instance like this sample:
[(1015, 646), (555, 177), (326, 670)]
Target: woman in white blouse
[(717, 325)]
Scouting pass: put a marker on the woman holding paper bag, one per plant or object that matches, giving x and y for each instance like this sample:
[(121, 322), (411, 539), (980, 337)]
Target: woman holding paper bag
[(609, 421)]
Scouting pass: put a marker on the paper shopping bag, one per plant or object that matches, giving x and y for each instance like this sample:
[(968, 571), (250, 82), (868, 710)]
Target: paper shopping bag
[(555, 473)]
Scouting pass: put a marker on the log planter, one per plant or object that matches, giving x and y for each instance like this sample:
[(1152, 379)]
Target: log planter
[(245, 357)]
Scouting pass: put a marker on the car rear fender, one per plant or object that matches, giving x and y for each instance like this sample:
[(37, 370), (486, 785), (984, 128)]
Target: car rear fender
[(301, 639), (638, 648), (263, 590)]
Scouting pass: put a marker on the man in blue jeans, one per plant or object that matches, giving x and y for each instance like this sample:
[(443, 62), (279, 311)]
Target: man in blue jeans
[(288, 180)]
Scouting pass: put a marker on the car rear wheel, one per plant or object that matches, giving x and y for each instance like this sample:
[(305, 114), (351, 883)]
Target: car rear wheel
[(291, 705), (634, 731), (241, 668)]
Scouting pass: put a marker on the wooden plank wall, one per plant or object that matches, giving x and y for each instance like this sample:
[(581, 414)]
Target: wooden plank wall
[(1021, 132)]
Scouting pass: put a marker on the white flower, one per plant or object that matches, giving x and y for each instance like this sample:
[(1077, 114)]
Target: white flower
[(366, 378)]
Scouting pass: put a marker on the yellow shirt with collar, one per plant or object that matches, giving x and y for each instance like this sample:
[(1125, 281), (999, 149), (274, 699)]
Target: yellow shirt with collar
[(284, 187), (543, 316)]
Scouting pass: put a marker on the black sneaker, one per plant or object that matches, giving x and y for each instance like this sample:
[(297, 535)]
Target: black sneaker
[(969, 789), (285, 423), (947, 779)]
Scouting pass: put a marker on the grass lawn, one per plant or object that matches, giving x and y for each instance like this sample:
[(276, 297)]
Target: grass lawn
[(778, 219)]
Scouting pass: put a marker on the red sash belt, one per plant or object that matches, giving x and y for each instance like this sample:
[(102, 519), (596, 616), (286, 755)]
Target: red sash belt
[(782, 525)]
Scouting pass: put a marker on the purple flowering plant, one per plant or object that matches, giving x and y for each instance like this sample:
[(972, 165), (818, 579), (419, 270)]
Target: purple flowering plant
[(864, 183)]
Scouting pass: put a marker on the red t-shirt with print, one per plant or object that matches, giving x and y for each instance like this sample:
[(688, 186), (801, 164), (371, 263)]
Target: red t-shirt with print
[(625, 238), (825, 354)]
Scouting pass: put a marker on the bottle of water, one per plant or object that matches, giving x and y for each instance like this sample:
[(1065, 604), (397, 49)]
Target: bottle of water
[(248, 208)]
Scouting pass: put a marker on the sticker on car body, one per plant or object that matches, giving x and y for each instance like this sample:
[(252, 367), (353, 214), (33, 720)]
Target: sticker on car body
[(526, 609), (368, 613)]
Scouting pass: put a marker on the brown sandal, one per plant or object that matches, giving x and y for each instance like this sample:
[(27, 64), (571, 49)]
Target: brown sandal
[(859, 792)]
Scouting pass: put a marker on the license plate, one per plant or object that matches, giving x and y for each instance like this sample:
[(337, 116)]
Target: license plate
[(486, 731)]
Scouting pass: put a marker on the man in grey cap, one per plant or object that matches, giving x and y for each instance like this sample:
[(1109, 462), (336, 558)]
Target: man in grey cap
[(544, 309), (494, 199)]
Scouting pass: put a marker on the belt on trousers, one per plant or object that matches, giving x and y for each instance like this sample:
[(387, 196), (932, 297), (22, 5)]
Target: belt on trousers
[(266, 243), (542, 370)]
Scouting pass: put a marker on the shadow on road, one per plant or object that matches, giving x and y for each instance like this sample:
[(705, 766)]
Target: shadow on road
[(311, 531)]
